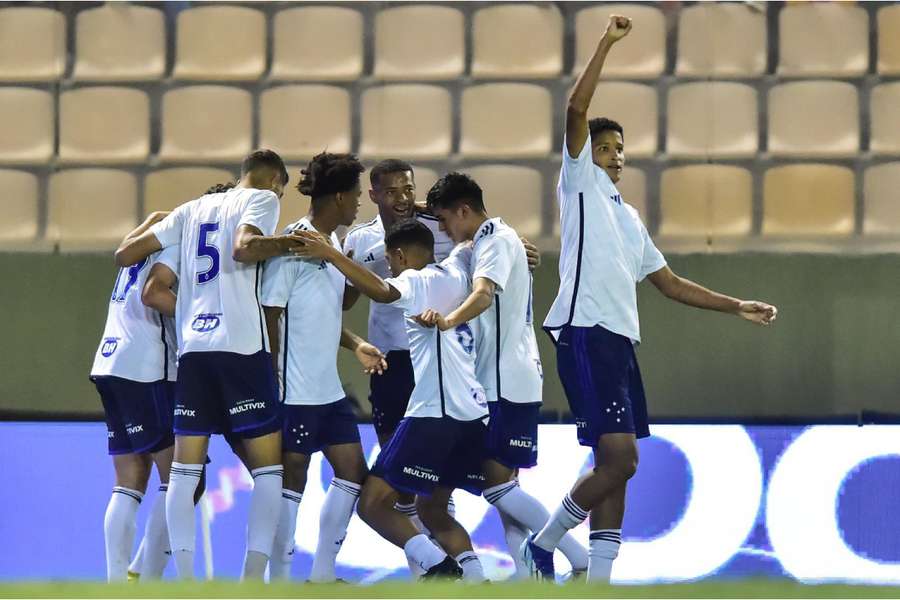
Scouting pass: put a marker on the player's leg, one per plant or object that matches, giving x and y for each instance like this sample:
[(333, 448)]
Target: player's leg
[(184, 476), (606, 535), (264, 458), (515, 534), (156, 536), (452, 536), (296, 466), (119, 522)]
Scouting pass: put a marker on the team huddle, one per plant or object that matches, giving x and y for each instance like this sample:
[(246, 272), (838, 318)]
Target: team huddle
[(219, 325)]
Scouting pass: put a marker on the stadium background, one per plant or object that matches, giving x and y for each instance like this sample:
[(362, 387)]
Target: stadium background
[(762, 139)]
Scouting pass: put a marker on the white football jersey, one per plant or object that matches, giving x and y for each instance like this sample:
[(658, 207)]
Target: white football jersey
[(311, 292), (606, 251), (508, 364), (138, 342), (218, 307), (387, 330), (443, 361)]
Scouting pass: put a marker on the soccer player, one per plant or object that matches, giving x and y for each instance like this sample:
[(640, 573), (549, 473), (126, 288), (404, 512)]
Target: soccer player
[(303, 302), (225, 377), (606, 251), (134, 372), (506, 359), (439, 444)]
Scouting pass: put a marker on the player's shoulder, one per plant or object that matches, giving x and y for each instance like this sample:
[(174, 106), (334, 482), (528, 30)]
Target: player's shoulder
[(364, 233), (494, 231), (301, 225)]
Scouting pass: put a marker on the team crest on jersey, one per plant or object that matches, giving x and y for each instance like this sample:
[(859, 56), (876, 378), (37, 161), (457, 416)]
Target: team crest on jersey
[(109, 346), (465, 337), (205, 322)]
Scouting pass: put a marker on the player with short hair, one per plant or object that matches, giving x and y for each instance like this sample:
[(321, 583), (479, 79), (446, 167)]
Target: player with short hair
[(606, 251), (225, 376)]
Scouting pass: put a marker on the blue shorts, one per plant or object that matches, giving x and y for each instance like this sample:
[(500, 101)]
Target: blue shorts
[(226, 392), (389, 392), (138, 415), (599, 372), (429, 452), (310, 428), (512, 433)]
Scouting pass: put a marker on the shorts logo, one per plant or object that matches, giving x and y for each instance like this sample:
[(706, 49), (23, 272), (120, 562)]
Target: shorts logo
[(580, 423), (205, 322), (246, 405), (110, 434), (420, 474), (520, 443), (134, 429), (185, 412), (109, 346)]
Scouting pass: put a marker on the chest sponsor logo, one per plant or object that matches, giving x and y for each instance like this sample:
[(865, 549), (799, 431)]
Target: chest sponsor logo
[(109, 346), (205, 322), (420, 474), (246, 405)]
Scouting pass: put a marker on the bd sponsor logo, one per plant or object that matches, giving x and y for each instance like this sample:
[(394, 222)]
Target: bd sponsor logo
[(246, 405), (414, 472), (109, 346), (205, 322)]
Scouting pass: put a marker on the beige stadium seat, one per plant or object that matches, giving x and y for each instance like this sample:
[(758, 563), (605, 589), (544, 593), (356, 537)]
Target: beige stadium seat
[(808, 199), (419, 41), (120, 41), (641, 55), (718, 39), (104, 125), (19, 204), (889, 40), (167, 188), (634, 106), (26, 123), (514, 193), (302, 120), (408, 120), (513, 120), (317, 42), (206, 123), (32, 44), (706, 200), (497, 36), (823, 39), (885, 119), (91, 209), (881, 190), (220, 43), (814, 118), (717, 119)]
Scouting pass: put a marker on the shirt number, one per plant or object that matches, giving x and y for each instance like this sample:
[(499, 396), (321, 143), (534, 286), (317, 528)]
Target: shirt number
[(132, 273), (207, 250)]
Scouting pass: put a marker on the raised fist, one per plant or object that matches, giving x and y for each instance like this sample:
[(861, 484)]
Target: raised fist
[(618, 27)]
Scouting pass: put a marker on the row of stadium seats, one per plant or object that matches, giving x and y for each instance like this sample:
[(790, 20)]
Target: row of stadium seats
[(122, 42), (212, 123), (94, 208)]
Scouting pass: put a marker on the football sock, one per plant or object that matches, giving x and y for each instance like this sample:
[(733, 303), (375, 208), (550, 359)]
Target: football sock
[(515, 535), (118, 531), (410, 511), (180, 521), (471, 567), (263, 519), (568, 516), (604, 550), (283, 548), (156, 539), (333, 520), (423, 552), (138, 560)]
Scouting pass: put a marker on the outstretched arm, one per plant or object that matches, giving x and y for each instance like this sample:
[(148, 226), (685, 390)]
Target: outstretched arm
[(477, 302), (251, 246), (580, 98), (157, 292)]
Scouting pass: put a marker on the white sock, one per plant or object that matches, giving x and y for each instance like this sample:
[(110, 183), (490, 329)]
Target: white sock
[(423, 552), (471, 567), (156, 539), (527, 510), (410, 511), (568, 516), (119, 527), (515, 535), (604, 550), (283, 547), (138, 560), (183, 480), (263, 519), (333, 520)]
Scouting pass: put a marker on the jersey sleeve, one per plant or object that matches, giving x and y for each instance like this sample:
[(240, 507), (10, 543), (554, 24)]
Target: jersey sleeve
[(460, 257), (492, 260), (652, 259), (168, 231), (413, 288), (576, 172), (278, 279), (261, 212), (170, 257)]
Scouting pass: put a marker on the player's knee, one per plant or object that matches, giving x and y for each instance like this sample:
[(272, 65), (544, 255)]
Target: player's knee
[(372, 498), (624, 467)]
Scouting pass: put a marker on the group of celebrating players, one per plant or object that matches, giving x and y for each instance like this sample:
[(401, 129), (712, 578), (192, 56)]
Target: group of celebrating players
[(456, 380)]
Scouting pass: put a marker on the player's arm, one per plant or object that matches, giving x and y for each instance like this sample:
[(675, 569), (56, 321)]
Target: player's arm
[(157, 293), (369, 356), (687, 292), (351, 295), (133, 250), (273, 314), (159, 230), (251, 246), (580, 97), (152, 219), (477, 302)]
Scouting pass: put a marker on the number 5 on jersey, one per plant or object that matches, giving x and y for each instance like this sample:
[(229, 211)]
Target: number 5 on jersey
[(208, 250)]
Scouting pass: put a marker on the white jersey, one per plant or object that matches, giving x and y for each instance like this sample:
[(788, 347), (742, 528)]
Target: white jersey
[(605, 252), (508, 364), (138, 342), (387, 330), (218, 309), (443, 361), (311, 292)]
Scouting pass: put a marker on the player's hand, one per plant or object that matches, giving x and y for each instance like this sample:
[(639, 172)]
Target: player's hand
[(432, 318), (617, 28), (757, 312), (532, 253), (371, 358), (310, 244)]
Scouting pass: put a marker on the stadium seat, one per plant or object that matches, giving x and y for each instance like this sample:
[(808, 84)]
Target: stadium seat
[(513, 193), (641, 55), (220, 43), (885, 119), (814, 118), (634, 106), (889, 40), (881, 191), (91, 209), (27, 123), (497, 48), (120, 41), (823, 39), (808, 199), (409, 120), (706, 200), (19, 205), (302, 120), (32, 44), (167, 188), (317, 42), (206, 123), (719, 39), (525, 129), (716, 119), (420, 41), (104, 125)]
